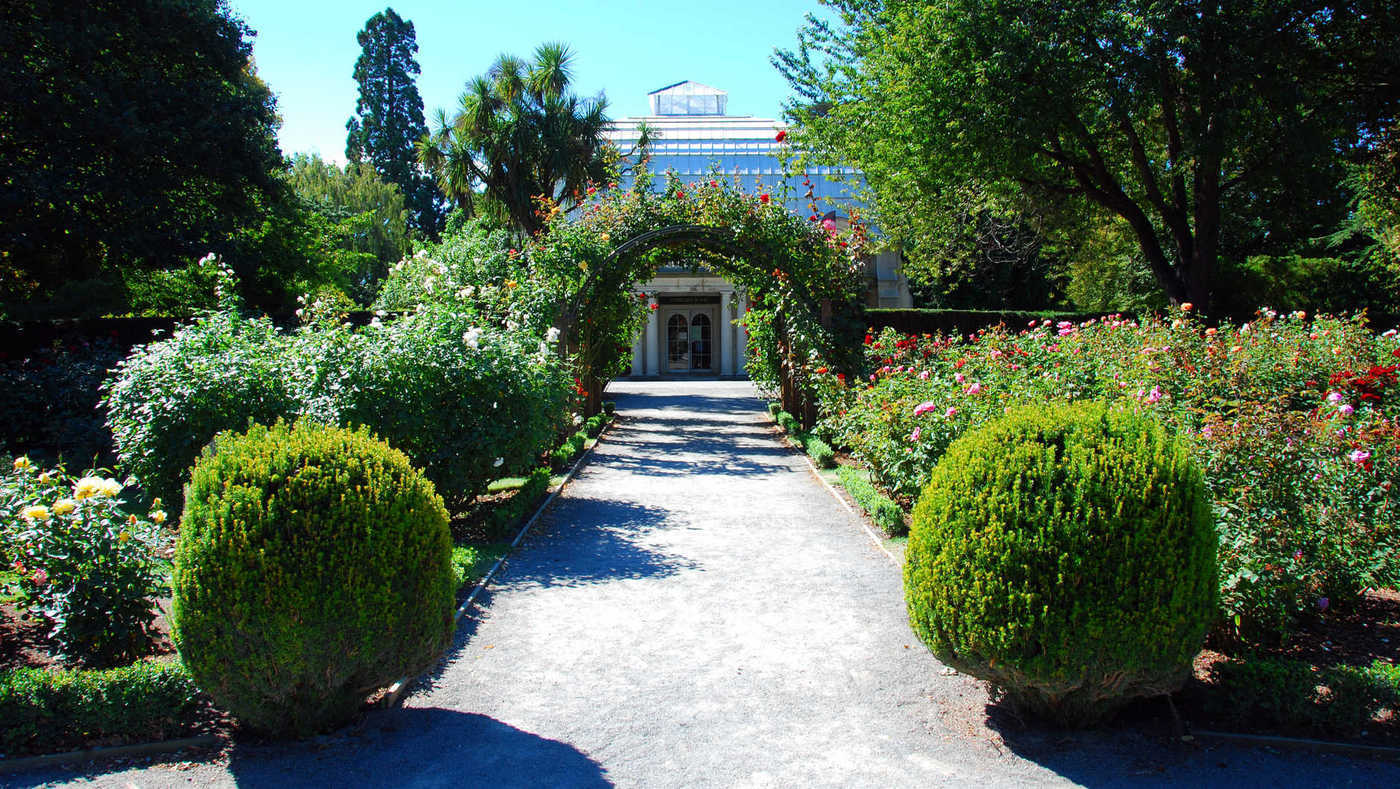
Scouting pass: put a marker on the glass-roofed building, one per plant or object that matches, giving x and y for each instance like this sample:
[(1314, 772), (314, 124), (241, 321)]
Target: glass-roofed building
[(693, 329)]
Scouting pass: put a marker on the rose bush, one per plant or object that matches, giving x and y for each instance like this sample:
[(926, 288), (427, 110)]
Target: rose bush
[(453, 394), (86, 563), (1293, 420)]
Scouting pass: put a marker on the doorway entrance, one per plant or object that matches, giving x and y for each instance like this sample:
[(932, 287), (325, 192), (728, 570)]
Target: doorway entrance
[(690, 346)]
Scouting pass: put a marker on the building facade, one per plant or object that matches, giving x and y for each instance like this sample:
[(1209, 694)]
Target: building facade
[(696, 327)]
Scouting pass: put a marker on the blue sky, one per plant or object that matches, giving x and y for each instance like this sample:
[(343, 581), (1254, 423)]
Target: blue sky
[(306, 50)]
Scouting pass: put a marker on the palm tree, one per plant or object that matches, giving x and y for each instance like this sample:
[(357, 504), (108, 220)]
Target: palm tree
[(519, 135)]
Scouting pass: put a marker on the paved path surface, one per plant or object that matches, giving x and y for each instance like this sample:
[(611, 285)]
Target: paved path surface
[(696, 611)]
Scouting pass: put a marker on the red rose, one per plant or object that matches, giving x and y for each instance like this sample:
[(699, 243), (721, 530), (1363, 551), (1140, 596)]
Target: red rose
[(714, 184), (763, 198), (653, 306), (782, 135)]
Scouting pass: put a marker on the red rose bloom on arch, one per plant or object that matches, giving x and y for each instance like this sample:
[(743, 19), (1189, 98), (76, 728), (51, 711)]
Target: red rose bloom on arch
[(763, 198), (782, 135)]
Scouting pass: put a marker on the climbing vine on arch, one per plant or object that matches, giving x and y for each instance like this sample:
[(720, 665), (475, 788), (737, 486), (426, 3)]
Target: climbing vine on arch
[(803, 278)]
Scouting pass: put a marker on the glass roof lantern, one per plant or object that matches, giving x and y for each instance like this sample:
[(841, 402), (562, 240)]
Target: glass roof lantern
[(688, 98)]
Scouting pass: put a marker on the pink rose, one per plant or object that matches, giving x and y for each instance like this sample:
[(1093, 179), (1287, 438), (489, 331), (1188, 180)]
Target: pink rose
[(914, 436), (924, 408)]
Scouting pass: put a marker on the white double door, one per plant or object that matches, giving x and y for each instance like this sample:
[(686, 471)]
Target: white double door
[(690, 339)]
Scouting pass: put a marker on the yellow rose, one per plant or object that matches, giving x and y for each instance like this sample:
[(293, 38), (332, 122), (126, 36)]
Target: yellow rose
[(45, 478), (22, 463), (131, 519), (111, 487), (64, 506), (124, 536), (87, 487), (157, 516), (38, 512)]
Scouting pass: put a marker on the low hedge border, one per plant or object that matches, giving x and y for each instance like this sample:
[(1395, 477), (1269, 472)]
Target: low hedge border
[(881, 508), (70, 708), (821, 453), (1292, 694)]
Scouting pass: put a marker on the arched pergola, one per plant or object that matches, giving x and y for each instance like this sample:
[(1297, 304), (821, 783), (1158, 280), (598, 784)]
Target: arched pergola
[(800, 278)]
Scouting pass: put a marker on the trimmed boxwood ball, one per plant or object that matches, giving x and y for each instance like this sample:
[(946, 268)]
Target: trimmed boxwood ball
[(313, 568), (1066, 555)]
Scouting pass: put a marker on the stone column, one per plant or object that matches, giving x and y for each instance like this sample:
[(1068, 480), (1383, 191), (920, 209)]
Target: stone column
[(741, 341), (650, 362), (726, 334)]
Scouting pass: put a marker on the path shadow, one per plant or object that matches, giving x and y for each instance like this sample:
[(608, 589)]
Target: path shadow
[(586, 540), (681, 401), (420, 747)]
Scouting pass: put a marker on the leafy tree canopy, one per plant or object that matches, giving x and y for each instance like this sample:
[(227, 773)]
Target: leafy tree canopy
[(1209, 129), (522, 137), (388, 117), (133, 134)]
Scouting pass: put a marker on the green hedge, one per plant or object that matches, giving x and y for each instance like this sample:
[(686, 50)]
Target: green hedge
[(927, 321), (821, 452), (509, 512), (49, 711), (881, 509)]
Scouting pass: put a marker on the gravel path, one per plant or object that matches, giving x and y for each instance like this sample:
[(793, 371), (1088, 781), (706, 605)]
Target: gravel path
[(695, 610)]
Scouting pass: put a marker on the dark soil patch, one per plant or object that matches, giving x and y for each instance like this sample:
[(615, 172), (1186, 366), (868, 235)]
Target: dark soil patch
[(24, 641)]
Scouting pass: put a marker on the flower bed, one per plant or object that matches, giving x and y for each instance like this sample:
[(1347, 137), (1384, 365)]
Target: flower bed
[(1295, 421)]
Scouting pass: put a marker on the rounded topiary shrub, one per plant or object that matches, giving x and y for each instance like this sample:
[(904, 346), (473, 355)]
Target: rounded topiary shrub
[(313, 567), (1065, 554)]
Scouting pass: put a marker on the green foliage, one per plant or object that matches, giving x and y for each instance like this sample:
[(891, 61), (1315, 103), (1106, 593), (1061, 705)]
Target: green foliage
[(170, 397), (822, 453), (388, 117), (881, 509), (471, 265), (1065, 554), (86, 564), (1318, 284), (1293, 695), (50, 711), (165, 148), (365, 221), (464, 561), (521, 136), (51, 400), (1168, 117), (466, 404), (595, 424), (609, 407), (1291, 420), (517, 507), (788, 423), (313, 567), (459, 399), (774, 408)]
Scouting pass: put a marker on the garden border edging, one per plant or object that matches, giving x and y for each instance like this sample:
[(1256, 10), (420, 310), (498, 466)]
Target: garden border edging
[(812, 467), (156, 748)]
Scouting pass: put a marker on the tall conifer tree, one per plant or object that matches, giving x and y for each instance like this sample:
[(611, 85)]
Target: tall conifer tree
[(388, 117)]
